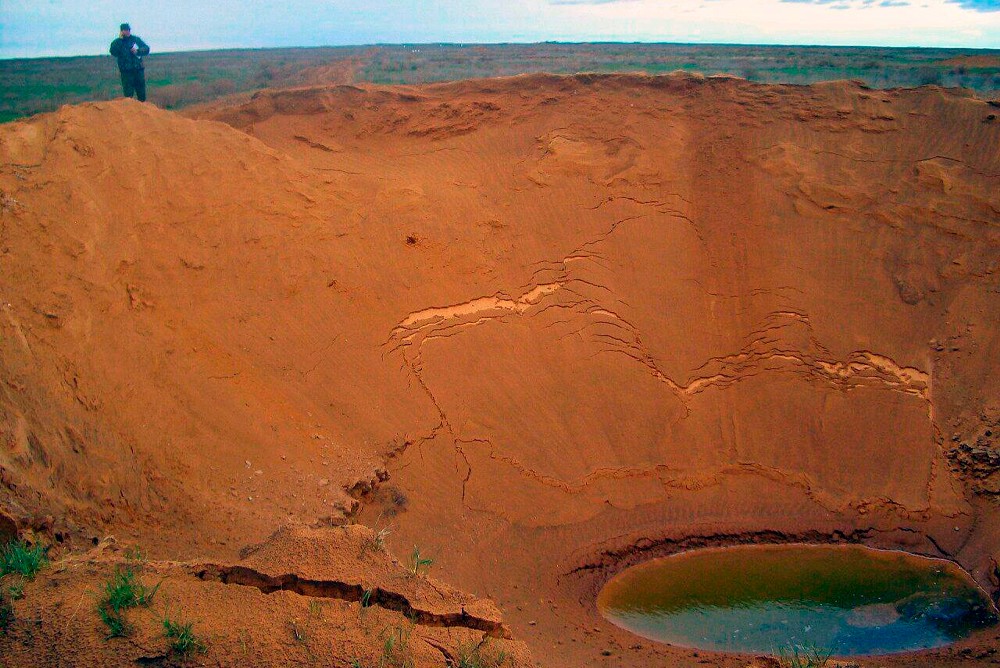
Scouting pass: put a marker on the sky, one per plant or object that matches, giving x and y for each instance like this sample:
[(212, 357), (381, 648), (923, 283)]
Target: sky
[(30, 28)]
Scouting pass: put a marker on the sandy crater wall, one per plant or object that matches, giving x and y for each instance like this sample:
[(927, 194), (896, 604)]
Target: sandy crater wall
[(537, 323)]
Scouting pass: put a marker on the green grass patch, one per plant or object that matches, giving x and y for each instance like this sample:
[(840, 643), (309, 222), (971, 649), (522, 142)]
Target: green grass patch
[(120, 593), (19, 562), (182, 638), (115, 623), (124, 590), (23, 559)]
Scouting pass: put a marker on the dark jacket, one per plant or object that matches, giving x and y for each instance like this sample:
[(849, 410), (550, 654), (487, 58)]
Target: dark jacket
[(121, 49)]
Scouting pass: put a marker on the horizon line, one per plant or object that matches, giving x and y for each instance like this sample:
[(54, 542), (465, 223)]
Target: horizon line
[(526, 43)]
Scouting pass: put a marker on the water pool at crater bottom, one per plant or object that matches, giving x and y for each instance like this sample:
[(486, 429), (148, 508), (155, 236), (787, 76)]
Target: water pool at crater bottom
[(847, 600)]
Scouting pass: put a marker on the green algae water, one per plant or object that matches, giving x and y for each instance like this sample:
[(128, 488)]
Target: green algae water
[(842, 600)]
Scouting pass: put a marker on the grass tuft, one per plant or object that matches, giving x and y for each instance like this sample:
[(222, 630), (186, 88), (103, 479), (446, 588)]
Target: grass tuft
[(20, 558), (396, 652), (316, 608), (134, 553), (298, 632), (380, 537), (803, 657), (121, 592), (182, 639), (21, 562), (115, 622), (419, 565), (377, 542), (14, 591)]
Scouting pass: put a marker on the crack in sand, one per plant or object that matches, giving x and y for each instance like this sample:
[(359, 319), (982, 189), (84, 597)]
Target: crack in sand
[(476, 306), (761, 354), (674, 478), (862, 368), (643, 548), (917, 161), (764, 352), (335, 589)]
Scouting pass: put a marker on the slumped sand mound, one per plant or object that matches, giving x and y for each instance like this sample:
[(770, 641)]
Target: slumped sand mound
[(544, 326)]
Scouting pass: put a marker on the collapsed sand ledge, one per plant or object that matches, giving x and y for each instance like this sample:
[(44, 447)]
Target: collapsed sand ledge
[(311, 563), (638, 308)]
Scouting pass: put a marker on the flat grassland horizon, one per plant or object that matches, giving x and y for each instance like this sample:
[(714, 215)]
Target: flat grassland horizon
[(180, 79)]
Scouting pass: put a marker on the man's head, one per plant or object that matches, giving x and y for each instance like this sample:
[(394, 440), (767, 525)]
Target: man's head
[(125, 30)]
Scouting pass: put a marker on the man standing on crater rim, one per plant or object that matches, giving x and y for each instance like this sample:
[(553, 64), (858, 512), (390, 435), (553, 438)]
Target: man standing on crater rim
[(129, 50)]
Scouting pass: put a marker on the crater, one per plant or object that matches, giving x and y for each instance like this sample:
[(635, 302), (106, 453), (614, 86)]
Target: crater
[(837, 600)]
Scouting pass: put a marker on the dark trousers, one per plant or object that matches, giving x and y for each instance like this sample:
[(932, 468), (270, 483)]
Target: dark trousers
[(134, 83)]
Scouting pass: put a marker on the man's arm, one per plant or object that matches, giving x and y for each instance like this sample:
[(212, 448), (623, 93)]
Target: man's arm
[(116, 46), (143, 47)]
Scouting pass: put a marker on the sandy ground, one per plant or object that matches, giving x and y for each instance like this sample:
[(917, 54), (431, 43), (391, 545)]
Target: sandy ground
[(541, 327)]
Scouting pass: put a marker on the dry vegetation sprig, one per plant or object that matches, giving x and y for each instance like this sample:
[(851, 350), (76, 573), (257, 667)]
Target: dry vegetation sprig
[(796, 656), (298, 632), (396, 651), (480, 655), (380, 532), (316, 608), (380, 536)]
